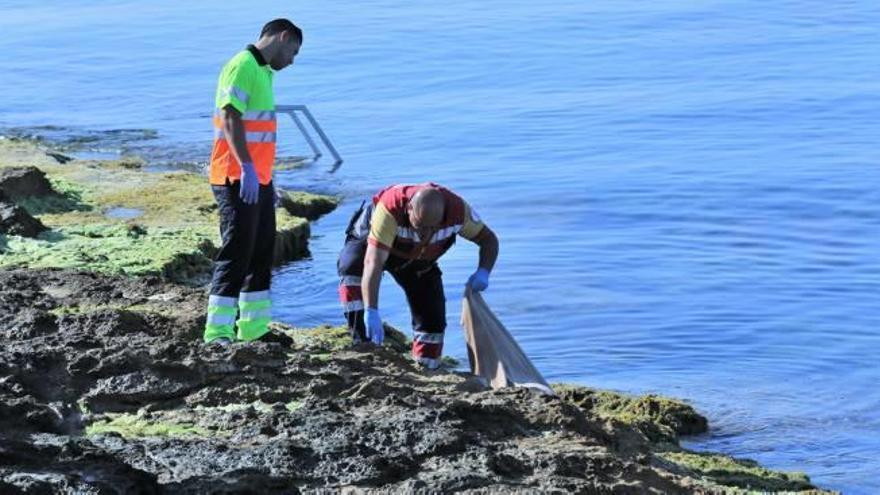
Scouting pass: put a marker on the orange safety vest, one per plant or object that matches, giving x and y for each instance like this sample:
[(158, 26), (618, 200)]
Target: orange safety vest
[(246, 85)]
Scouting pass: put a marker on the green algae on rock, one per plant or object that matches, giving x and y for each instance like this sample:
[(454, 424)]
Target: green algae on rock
[(308, 205), (738, 475), (658, 418), (174, 235), (138, 426)]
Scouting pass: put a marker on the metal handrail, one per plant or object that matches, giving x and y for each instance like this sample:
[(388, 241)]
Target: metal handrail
[(291, 110)]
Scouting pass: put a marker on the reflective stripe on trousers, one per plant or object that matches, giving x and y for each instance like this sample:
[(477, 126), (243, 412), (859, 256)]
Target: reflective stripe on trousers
[(255, 313), (220, 321)]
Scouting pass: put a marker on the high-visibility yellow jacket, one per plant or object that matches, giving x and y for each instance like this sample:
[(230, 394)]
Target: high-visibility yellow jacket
[(246, 85)]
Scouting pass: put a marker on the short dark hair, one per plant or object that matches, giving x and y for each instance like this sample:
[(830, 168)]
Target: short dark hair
[(280, 25)]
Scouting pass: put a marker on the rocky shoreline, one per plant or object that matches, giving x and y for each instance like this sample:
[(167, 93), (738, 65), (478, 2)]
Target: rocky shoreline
[(107, 388)]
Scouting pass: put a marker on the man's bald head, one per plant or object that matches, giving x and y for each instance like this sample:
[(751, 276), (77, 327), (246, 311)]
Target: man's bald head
[(427, 208)]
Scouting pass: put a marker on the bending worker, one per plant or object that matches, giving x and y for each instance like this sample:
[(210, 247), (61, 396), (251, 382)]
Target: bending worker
[(241, 180), (405, 230)]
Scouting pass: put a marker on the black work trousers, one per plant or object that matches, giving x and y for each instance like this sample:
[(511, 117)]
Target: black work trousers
[(244, 262)]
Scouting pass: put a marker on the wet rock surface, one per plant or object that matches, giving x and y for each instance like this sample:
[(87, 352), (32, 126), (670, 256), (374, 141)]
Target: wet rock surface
[(105, 387)]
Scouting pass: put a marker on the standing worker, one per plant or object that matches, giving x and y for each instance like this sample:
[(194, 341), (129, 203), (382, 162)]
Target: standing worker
[(241, 179), (404, 230)]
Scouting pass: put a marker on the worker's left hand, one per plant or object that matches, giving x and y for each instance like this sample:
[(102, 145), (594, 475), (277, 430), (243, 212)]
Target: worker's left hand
[(278, 193), (479, 281), (373, 326), (249, 185)]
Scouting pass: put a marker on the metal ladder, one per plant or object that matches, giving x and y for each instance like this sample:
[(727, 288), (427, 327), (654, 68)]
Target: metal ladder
[(292, 111)]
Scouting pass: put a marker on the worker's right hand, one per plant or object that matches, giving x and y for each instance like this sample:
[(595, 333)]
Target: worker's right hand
[(479, 281), (250, 184), (373, 324)]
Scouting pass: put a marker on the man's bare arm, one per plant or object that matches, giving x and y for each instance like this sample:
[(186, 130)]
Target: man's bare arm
[(488, 243), (374, 262), (233, 130)]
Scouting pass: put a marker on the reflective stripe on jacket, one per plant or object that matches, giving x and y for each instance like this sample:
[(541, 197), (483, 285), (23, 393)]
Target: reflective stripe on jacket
[(245, 84)]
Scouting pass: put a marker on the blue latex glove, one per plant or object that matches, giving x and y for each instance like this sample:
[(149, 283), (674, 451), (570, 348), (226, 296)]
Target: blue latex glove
[(479, 281), (373, 324), (250, 184)]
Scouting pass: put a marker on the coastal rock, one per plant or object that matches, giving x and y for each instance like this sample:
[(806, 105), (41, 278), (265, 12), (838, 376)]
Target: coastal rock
[(291, 238), (22, 182), (63, 464), (307, 205), (105, 386), (15, 220)]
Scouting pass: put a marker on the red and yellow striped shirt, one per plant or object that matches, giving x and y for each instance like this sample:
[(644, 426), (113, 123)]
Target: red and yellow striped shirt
[(390, 228)]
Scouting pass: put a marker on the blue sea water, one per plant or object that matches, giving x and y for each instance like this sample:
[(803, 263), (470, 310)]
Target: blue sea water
[(686, 192)]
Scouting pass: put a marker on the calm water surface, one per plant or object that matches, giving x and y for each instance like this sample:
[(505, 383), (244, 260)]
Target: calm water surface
[(686, 192)]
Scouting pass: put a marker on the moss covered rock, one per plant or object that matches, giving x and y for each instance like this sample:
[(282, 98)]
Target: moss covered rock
[(112, 217), (658, 418), (308, 205), (139, 426), (723, 471)]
